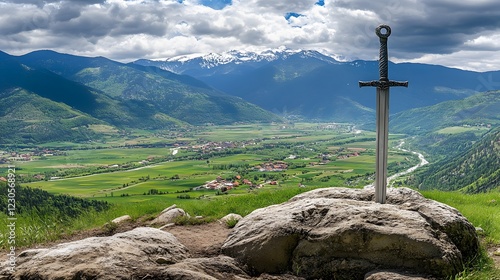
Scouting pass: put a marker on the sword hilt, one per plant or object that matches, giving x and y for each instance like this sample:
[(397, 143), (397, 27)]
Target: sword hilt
[(383, 84), (383, 55)]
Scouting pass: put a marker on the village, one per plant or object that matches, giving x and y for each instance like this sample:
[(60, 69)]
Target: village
[(225, 185), (6, 157)]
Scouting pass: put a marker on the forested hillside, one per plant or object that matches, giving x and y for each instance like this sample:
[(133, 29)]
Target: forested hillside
[(476, 170), (156, 94), (476, 109), (39, 203)]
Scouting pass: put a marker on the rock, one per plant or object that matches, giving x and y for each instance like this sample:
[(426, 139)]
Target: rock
[(395, 275), (122, 219), (230, 217), (168, 215), (497, 252), (341, 233), (220, 267), (480, 231), (167, 226), (112, 257), (173, 206)]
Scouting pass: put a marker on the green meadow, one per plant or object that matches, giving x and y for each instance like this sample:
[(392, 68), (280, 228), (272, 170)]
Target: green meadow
[(462, 129)]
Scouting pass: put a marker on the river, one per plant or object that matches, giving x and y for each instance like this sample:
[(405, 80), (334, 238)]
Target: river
[(422, 162)]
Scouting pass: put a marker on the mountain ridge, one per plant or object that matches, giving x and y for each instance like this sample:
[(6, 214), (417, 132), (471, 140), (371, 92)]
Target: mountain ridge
[(315, 86)]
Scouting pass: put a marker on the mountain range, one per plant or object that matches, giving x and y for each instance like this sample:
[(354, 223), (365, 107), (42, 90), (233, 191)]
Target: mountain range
[(216, 88), (48, 96), (311, 85), (52, 96)]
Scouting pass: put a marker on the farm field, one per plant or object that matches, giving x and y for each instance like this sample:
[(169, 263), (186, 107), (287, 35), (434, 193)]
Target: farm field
[(315, 156)]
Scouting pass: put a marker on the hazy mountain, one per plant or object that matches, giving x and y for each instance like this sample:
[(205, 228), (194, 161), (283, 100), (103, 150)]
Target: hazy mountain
[(317, 86)]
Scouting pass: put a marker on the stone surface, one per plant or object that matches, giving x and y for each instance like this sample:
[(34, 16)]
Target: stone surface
[(115, 257), (220, 267), (341, 233), (143, 253), (168, 215), (122, 219), (395, 275)]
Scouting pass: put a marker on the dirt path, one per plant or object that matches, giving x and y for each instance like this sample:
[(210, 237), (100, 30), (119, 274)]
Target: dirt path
[(202, 240)]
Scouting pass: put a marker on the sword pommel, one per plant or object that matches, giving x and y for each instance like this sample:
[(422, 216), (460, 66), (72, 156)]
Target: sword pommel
[(381, 35)]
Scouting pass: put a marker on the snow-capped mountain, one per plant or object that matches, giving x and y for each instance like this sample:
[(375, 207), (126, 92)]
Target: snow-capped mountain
[(316, 86), (229, 61)]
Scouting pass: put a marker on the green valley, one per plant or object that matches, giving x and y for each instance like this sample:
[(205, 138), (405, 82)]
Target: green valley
[(206, 166)]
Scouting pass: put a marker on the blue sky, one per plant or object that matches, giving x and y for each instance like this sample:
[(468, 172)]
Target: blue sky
[(463, 34)]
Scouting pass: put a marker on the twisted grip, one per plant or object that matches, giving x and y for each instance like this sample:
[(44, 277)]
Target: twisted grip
[(383, 57)]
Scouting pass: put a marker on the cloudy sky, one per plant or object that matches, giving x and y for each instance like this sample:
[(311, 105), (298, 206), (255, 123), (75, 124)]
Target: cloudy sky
[(463, 34)]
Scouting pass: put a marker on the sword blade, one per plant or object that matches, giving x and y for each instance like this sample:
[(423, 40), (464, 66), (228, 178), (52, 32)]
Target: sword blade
[(382, 144)]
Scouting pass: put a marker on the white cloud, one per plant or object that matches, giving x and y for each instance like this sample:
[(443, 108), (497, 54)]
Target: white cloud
[(464, 34)]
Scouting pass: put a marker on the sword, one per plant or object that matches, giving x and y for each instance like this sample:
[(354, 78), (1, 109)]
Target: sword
[(382, 85)]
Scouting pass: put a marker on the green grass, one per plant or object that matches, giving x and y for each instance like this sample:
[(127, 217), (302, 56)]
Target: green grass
[(91, 157), (482, 210), (305, 141), (461, 129)]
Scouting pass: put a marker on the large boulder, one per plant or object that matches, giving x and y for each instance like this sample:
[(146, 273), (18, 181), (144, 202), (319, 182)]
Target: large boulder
[(137, 252), (340, 233), (143, 253)]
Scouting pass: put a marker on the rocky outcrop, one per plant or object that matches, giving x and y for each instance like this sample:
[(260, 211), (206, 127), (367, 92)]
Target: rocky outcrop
[(116, 257), (395, 275), (339, 233), (143, 253)]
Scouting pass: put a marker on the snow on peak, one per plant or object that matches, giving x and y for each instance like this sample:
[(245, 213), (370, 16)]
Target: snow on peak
[(234, 56)]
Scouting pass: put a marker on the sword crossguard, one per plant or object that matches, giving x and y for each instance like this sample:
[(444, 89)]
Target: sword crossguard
[(383, 84)]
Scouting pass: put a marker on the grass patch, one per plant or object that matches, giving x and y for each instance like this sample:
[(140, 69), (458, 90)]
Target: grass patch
[(190, 220), (482, 210), (461, 129)]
